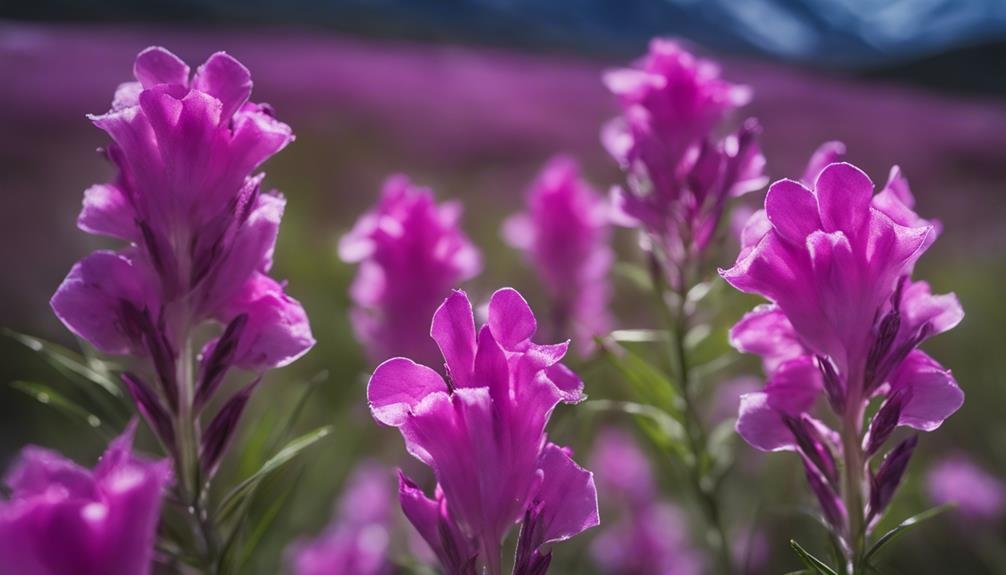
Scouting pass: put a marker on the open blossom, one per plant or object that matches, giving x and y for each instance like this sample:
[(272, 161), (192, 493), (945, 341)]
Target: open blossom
[(844, 322), (679, 175), (411, 252), (482, 431), (977, 494), (201, 232), (564, 233), (650, 535), (358, 540), (62, 518)]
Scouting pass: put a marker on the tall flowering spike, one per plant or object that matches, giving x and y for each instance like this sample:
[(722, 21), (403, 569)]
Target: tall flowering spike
[(565, 235), (202, 232), (484, 435), (358, 539), (62, 518), (649, 535), (411, 252), (845, 318), (977, 494), (679, 176)]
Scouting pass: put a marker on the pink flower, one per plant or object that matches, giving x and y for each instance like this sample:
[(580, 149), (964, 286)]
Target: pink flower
[(201, 236), (564, 234), (844, 321), (411, 252), (679, 176), (483, 433), (650, 535), (62, 518), (977, 494), (358, 539)]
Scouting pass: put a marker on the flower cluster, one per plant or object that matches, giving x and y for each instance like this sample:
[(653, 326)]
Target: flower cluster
[(412, 252), (482, 431), (62, 518), (845, 321), (359, 538), (679, 174), (201, 235), (565, 235), (651, 536), (978, 495)]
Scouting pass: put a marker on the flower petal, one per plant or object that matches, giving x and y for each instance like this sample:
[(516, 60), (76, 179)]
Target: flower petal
[(225, 79), (107, 211), (454, 331), (792, 210), (843, 194), (567, 494), (156, 65), (511, 319), (397, 386), (278, 331), (934, 395), (89, 301)]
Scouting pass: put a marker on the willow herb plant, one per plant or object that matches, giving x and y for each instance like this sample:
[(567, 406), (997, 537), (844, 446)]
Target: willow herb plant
[(845, 322), (679, 179), (200, 235)]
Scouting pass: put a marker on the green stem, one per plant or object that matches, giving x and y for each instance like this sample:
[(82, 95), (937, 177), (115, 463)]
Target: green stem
[(190, 479), (853, 486), (492, 555), (679, 320)]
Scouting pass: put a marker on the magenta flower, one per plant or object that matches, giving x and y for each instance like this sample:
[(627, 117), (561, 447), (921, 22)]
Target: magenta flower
[(62, 518), (679, 177), (483, 433), (412, 252), (845, 320), (977, 494), (650, 536), (358, 540), (565, 235), (201, 233)]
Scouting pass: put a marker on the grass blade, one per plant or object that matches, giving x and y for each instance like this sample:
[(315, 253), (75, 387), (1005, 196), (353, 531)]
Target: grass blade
[(813, 563), (905, 526)]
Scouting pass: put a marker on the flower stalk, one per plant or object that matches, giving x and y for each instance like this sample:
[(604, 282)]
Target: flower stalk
[(679, 321)]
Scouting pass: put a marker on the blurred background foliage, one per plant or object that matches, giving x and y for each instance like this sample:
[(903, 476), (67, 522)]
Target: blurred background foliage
[(472, 98)]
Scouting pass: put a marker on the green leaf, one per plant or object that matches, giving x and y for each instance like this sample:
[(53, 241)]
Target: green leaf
[(66, 361), (51, 398), (636, 274), (286, 430), (238, 493), (813, 563), (665, 431), (647, 382), (905, 526), (639, 335), (265, 521)]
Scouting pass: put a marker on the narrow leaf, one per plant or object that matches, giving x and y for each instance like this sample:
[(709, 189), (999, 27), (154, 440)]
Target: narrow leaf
[(241, 490), (66, 361), (647, 382), (639, 335), (49, 397), (813, 563), (662, 429), (905, 526), (266, 521)]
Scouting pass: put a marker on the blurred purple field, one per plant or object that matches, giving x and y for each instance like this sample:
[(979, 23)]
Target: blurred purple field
[(477, 124)]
